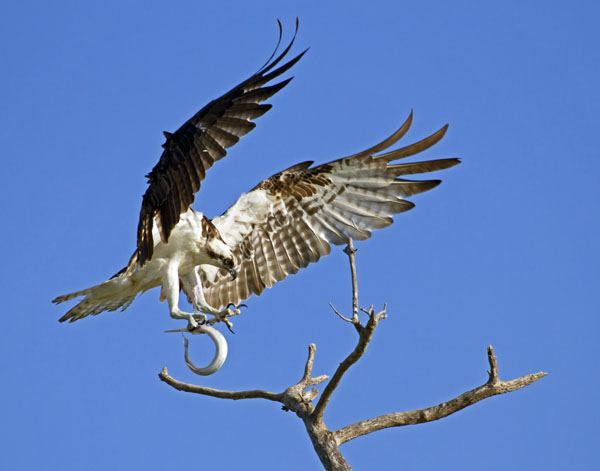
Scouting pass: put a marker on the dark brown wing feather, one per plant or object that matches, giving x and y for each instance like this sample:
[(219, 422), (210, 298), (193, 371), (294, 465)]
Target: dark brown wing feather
[(191, 150)]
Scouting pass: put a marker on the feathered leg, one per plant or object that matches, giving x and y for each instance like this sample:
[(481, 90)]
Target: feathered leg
[(170, 283), (192, 286)]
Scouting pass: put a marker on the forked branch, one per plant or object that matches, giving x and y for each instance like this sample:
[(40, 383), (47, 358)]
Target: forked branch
[(365, 333), (293, 398), (492, 387), (297, 399)]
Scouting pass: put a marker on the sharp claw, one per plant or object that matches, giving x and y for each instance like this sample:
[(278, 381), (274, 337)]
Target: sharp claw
[(231, 305), (229, 326)]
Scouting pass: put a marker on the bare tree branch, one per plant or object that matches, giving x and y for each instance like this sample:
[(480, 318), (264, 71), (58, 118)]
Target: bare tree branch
[(298, 400), (295, 398), (235, 395), (350, 251), (291, 398), (365, 334), (307, 380), (493, 387), (339, 315)]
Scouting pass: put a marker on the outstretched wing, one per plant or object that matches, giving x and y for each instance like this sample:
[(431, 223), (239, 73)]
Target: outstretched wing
[(191, 150), (292, 218)]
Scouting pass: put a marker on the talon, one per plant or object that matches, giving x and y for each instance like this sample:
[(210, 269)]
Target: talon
[(229, 326), (192, 324), (231, 305)]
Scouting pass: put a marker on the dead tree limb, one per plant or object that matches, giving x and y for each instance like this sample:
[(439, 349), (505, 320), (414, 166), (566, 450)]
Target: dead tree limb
[(364, 337), (492, 387), (298, 400)]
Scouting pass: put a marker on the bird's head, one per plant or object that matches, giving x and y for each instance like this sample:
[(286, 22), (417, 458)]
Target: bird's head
[(221, 256)]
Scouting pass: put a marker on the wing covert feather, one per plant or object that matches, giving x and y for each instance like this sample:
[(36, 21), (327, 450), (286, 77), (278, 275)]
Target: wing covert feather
[(292, 218)]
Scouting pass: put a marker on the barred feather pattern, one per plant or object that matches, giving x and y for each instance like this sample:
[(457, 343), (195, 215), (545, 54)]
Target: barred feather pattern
[(118, 292), (291, 219)]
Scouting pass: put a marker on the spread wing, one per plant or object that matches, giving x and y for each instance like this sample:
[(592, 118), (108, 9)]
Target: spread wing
[(292, 218), (191, 150)]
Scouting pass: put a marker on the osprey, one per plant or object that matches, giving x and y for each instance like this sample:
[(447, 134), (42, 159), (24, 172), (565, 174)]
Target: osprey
[(284, 223)]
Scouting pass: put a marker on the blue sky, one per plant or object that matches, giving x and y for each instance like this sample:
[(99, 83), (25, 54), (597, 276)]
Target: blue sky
[(504, 252)]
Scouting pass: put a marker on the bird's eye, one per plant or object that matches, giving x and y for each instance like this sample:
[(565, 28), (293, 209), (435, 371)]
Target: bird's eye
[(227, 262)]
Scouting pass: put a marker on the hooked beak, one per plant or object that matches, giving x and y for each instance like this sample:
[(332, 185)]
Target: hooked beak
[(233, 273)]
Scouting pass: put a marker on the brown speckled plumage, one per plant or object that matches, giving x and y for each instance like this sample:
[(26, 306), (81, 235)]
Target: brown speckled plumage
[(311, 208)]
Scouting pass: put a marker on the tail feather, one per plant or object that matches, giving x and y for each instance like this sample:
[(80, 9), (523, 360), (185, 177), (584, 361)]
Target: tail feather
[(118, 292)]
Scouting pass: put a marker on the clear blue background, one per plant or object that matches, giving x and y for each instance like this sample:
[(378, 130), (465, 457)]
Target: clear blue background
[(505, 252)]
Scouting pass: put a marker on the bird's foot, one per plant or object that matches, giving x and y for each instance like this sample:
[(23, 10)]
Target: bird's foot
[(222, 316), (194, 320)]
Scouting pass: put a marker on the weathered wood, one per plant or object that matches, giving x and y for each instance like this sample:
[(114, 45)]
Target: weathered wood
[(298, 400), (493, 387)]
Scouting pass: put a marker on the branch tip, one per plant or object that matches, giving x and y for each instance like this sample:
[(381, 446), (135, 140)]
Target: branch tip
[(493, 372), (375, 316), (340, 316), (493, 387), (367, 311), (312, 348), (319, 379)]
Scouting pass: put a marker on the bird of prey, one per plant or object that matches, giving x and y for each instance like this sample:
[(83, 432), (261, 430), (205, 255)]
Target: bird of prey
[(284, 223)]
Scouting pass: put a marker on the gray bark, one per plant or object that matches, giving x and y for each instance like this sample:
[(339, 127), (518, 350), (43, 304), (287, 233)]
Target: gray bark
[(298, 400)]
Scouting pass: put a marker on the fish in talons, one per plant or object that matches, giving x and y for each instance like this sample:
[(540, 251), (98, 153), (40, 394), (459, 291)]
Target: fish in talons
[(220, 353)]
